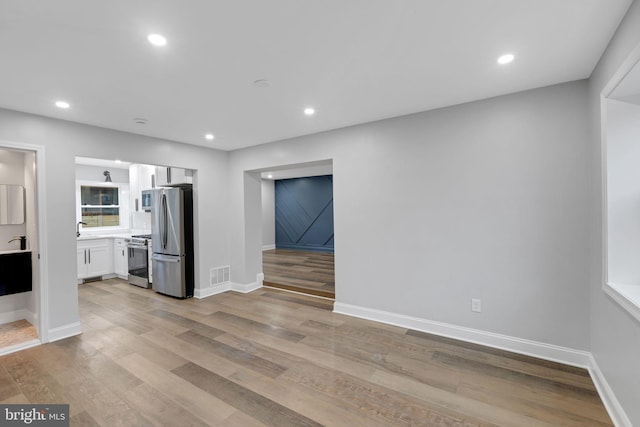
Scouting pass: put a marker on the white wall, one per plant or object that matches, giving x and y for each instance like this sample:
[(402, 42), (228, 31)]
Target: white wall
[(484, 200), (623, 192), (268, 214), (615, 335), (96, 173), (62, 142)]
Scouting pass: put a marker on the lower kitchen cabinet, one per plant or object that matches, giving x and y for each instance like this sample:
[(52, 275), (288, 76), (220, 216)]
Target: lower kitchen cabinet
[(120, 259), (93, 258)]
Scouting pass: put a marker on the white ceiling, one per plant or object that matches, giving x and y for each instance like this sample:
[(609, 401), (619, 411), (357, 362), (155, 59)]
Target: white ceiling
[(355, 61)]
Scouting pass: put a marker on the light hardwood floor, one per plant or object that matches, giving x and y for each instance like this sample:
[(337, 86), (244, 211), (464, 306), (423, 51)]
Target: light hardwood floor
[(271, 358), (301, 271)]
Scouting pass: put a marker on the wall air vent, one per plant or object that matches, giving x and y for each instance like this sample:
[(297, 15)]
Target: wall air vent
[(219, 275)]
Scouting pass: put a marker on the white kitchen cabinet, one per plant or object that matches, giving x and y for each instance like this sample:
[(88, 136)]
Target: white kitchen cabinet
[(94, 258), (120, 259), (172, 176), (140, 179)]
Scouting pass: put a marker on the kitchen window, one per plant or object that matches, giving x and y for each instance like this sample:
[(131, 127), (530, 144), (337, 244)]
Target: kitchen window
[(100, 206)]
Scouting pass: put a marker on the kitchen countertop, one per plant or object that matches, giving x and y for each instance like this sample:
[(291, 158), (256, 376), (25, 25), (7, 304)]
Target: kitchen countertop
[(111, 235), (103, 236)]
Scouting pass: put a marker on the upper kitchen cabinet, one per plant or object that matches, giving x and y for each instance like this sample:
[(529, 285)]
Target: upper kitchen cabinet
[(166, 176), (140, 179)]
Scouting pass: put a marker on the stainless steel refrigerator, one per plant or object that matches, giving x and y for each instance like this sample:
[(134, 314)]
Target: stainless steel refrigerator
[(172, 241)]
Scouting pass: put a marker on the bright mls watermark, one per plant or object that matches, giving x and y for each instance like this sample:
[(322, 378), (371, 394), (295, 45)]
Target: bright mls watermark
[(34, 415)]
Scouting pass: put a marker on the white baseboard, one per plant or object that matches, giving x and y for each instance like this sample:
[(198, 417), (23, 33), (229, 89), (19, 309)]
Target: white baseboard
[(12, 316), (246, 288), (617, 414), (18, 347), (268, 247), (214, 290), (541, 350), (30, 317), (229, 286), (65, 331)]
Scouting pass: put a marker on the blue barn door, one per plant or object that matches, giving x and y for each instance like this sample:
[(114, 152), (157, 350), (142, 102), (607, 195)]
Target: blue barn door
[(304, 213)]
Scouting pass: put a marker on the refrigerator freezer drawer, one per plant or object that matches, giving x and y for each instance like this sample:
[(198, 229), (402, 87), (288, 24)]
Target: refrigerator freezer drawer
[(169, 275)]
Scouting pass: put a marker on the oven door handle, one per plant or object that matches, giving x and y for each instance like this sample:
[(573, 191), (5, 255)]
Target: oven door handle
[(142, 247), (173, 260)]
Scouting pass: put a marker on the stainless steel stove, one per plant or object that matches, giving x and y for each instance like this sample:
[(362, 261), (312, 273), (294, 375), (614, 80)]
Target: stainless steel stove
[(139, 268)]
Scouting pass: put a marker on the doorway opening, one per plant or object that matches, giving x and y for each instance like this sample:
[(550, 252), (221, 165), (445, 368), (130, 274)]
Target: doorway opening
[(23, 319), (297, 229), (115, 228)]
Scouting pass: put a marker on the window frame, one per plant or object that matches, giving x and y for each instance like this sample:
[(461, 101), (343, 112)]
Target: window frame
[(627, 296), (123, 204)]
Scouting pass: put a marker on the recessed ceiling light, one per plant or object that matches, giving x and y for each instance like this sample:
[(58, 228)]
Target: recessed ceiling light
[(505, 59), (62, 104), (209, 136), (157, 39), (118, 161), (269, 176), (140, 121), (309, 111)]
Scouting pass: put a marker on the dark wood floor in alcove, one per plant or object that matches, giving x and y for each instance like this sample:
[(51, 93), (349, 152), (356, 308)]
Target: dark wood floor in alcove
[(302, 271), (272, 358)]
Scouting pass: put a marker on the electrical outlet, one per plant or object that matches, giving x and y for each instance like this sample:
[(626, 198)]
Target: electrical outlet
[(476, 305)]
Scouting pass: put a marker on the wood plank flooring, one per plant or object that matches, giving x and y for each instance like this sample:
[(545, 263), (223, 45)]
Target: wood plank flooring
[(271, 358), (301, 271), (18, 332)]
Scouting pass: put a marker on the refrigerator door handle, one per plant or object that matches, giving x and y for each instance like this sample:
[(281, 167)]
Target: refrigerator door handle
[(165, 223), (159, 259)]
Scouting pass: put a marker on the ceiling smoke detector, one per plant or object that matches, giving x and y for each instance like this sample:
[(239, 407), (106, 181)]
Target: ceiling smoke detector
[(262, 83)]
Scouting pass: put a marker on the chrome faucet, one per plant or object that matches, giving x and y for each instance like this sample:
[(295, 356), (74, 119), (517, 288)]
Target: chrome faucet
[(78, 227)]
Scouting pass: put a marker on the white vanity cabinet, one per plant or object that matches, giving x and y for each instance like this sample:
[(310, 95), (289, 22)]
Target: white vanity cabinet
[(94, 258), (172, 176), (120, 259)]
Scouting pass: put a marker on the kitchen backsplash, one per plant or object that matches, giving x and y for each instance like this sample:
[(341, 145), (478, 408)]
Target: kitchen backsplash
[(141, 220)]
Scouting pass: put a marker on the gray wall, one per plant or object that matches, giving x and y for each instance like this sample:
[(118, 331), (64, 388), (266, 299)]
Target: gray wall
[(268, 214), (96, 173), (615, 335), (484, 200), (63, 141)]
